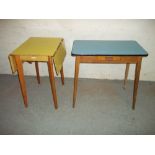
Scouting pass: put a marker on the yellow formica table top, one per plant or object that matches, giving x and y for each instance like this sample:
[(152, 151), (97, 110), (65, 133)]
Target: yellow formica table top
[(41, 46), (38, 46)]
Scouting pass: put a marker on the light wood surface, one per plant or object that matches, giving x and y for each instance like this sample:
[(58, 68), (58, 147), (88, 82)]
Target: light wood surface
[(126, 74), (136, 81), (52, 81), (37, 71), (108, 59), (77, 63), (21, 79), (62, 75)]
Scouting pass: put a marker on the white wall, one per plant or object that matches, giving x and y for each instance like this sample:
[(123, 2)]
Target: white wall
[(14, 32)]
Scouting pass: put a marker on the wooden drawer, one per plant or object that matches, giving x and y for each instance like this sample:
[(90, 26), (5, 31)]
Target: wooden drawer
[(108, 59), (112, 58), (34, 58), (99, 59)]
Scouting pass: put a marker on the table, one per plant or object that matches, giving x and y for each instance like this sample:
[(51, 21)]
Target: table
[(108, 51), (39, 49)]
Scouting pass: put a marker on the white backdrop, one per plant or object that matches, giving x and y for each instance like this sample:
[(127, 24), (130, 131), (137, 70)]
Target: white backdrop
[(14, 32)]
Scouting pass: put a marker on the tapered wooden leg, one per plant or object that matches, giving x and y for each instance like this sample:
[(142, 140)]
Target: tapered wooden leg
[(62, 75), (136, 81), (37, 71), (52, 81), (126, 74), (21, 79), (77, 62)]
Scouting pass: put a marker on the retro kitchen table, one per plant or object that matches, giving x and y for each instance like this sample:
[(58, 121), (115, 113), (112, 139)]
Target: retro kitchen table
[(39, 49), (104, 51)]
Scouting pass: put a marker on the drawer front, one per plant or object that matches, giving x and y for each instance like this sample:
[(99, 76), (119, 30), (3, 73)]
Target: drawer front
[(100, 59), (34, 58), (109, 59), (112, 58)]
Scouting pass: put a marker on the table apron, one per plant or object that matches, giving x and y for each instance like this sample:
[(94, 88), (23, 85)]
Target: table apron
[(109, 59), (34, 58)]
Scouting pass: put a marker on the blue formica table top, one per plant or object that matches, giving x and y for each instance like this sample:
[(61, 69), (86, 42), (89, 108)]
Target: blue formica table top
[(107, 48)]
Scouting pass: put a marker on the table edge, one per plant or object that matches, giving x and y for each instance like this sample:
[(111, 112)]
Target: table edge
[(72, 54)]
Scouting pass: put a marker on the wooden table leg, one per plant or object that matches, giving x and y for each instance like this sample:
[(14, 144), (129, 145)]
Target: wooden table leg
[(126, 74), (52, 81), (136, 81), (21, 79), (77, 62), (37, 71), (62, 75)]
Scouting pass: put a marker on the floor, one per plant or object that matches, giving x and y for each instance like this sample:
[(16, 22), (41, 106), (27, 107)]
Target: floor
[(103, 107)]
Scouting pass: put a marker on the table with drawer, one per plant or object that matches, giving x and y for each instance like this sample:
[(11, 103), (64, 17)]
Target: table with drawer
[(108, 51), (39, 49)]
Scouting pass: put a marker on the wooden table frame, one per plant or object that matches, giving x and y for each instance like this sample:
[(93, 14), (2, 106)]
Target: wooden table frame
[(19, 64), (112, 60)]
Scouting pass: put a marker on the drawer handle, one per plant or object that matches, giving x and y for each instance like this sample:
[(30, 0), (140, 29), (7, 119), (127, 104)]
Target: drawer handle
[(33, 57), (109, 58)]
